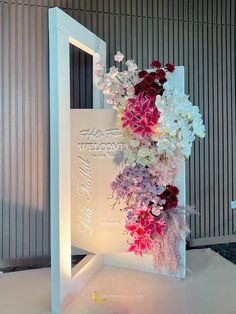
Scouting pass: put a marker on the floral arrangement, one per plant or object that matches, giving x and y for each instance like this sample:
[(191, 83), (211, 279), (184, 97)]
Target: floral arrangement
[(160, 124)]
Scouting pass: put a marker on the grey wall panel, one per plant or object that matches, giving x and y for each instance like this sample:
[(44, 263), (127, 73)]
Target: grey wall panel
[(199, 34), (24, 157)]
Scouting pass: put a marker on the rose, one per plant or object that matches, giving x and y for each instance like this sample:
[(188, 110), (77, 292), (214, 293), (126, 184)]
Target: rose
[(160, 73), (140, 87), (149, 79), (142, 73), (170, 67), (156, 64)]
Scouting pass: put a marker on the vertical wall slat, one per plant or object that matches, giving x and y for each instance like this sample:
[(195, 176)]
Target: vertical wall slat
[(6, 132), (1, 130), (27, 131), (33, 123), (20, 137), (45, 138), (39, 113), (13, 142)]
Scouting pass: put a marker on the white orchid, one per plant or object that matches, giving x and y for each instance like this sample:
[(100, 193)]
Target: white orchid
[(118, 56), (179, 123), (132, 66)]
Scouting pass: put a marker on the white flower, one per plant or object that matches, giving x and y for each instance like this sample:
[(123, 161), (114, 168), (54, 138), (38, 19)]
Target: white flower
[(119, 56), (134, 143), (99, 73), (113, 71), (130, 157), (179, 123), (99, 66), (131, 65)]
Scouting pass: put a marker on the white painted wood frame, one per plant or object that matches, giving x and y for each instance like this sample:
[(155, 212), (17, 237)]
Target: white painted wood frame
[(64, 30)]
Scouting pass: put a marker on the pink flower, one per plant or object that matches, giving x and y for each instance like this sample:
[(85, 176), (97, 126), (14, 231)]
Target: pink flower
[(155, 227), (119, 56), (148, 223), (143, 216), (135, 229), (141, 244), (143, 127), (141, 115), (113, 72), (99, 66), (99, 73), (128, 118)]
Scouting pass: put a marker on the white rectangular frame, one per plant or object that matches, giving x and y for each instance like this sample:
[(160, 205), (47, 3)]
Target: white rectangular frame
[(64, 30), (65, 281)]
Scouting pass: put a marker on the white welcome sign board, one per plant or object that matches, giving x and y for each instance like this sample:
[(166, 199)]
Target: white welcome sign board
[(80, 203), (96, 157)]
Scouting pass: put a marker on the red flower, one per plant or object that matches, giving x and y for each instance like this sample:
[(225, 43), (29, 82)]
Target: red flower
[(142, 73), (170, 196), (170, 67), (154, 84), (149, 79), (160, 73), (156, 64), (139, 87), (152, 91), (162, 80), (161, 91), (173, 189), (171, 202), (154, 74)]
